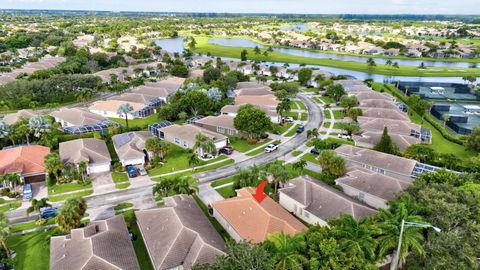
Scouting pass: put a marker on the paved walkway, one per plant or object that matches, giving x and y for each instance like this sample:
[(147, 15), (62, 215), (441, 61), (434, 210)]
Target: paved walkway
[(208, 195)]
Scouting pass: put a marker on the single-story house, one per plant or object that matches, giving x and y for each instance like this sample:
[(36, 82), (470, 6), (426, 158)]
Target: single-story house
[(130, 147), (93, 151), (269, 101), (384, 114), (363, 95), (178, 235), (222, 124), (370, 187), (109, 108), (76, 120), (184, 136), (27, 161), (257, 91), (13, 118), (245, 219), (316, 203), (394, 126), (151, 90), (103, 244), (378, 103), (147, 99), (371, 138), (390, 165), (232, 110)]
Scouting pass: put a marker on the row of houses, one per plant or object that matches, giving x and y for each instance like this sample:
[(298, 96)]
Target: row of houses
[(380, 110), (45, 62)]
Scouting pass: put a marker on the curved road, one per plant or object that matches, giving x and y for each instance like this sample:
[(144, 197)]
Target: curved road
[(109, 200)]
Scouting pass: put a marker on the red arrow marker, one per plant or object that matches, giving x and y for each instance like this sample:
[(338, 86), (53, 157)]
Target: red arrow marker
[(259, 194)]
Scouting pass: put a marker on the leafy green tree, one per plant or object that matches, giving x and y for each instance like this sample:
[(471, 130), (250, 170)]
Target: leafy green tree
[(300, 166), (313, 133), (82, 169), (279, 175), (386, 144), (284, 106), (252, 120), (248, 177), (348, 102), (204, 145), (70, 215), (243, 55), (371, 62), (211, 74), (354, 113), (123, 111), (421, 106), (39, 125), (336, 91), (37, 205), (331, 163), (192, 44), (287, 251), (193, 160), (304, 75), (421, 153), (257, 50), (53, 164), (473, 140), (4, 233), (175, 185), (157, 147), (350, 127), (179, 70), (12, 179)]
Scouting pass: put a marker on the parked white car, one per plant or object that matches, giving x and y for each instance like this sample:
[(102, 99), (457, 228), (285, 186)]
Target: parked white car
[(288, 119), (344, 136), (271, 147), (142, 171)]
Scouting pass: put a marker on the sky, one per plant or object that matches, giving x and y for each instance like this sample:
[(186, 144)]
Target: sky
[(259, 6)]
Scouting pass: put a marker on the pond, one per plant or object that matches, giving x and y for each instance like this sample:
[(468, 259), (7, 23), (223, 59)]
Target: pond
[(301, 27), (173, 45), (241, 42)]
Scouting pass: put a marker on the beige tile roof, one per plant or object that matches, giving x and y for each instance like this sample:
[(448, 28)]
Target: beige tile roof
[(223, 121), (130, 145), (260, 91), (349, 82), (399, 165), (394, 126), (12, 118), (361, 96), (373, 183), (253, 221), (378, 103), (246, 85), (135, 98), (102, 244), (233, 109), (90, 150), (23, 159), (323, 201), (373, 137), (77, 116), (264, 100), (172, 84), (113, 105), (152, 91), (179, 234), (384, 114), (188, 132)]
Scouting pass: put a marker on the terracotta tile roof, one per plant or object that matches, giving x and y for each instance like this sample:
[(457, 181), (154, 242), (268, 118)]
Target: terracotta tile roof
[(323, 201), (113, 105), (23, 159), (179, 234), (102, 244), (89, 150), (253, 221)]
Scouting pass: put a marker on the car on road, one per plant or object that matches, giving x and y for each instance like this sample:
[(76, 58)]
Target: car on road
[(300, 129), (132, 171), (288, 119), (315, 151), (48, 213), (271, 147), (27, 192), (344, 136), (142, 171), (227, 150)]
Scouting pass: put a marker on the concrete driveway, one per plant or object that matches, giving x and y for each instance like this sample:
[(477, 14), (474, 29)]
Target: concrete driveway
[(39, 190), (102, 183)]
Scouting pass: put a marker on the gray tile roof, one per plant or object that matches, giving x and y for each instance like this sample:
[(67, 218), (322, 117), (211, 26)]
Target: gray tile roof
[(324, 201), (394, 126), (371, 138), (102, 245), (179, 234), (77, 116), (90, 150), (130, 145)]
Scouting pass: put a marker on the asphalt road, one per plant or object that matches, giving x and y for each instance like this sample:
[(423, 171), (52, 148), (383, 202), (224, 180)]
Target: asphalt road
[(114, 198)]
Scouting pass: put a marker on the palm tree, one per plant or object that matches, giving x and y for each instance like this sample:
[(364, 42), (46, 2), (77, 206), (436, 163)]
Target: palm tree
[(53, 164), (284, 106), (300, 166), (390, 230), (279, 174), (204, 145), (39, 125), (82, 168), (193, 160), (71, 214), (185, 185), (13, 179), (124, 110), (287, 251), (356, 237), (22, 129), (6, 132), (389, 62), (4, 233), (312, 133), (37, 205)]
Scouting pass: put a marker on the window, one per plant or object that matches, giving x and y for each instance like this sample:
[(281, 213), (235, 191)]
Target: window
[(361, 196), (177, 141), (306, 214), (220, 130)]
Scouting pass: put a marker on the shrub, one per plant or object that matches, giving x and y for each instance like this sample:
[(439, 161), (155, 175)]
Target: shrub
[(252, 140)]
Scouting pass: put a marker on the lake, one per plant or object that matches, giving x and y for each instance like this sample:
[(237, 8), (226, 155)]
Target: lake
[(241, 42), (173, 45)]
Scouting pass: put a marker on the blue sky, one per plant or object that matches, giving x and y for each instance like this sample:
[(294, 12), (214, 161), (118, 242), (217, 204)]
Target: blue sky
[(259, 6)]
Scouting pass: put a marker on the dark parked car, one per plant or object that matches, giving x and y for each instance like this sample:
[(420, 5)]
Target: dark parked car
[(315, 151), (49, 213), (300, 129), (227, 150), (132, 171)]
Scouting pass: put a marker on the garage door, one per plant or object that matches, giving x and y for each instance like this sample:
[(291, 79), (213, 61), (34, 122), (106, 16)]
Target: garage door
[(35, 179), (98, 168)]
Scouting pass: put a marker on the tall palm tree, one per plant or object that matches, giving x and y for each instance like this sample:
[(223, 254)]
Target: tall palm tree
[(300, 166), (356, 237), (71, 214), (39, 125), (284, 106), (82, 168), (186, 185), (288, 251), (53, 164), (279, 174), (124, 110), (37, 205), (193, 160), (391, 220), (13, 179), (4, 233), (204, 145)]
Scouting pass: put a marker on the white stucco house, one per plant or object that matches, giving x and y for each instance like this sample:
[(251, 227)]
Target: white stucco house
[(93, 151)]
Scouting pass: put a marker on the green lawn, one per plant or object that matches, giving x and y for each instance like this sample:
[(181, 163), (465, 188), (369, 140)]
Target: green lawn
[(327, 99), (294, 115), (338, 114), (301, 105), (58, 189), (226, 192), (141, 123), (293, 131), (304, 117), (327, 124), (280, 129), (226, 51), (73, 195), (122, 185), (33, 250), (138, 244), (310, 157), (10, 206), (222, 182), (176, 160), (119, 177), (122, 206), (29, 225), (260, 150), (242, 146), (338, 125), (296, 153)]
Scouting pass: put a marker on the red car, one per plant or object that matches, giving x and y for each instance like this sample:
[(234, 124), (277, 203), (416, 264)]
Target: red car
[(227, 150)]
